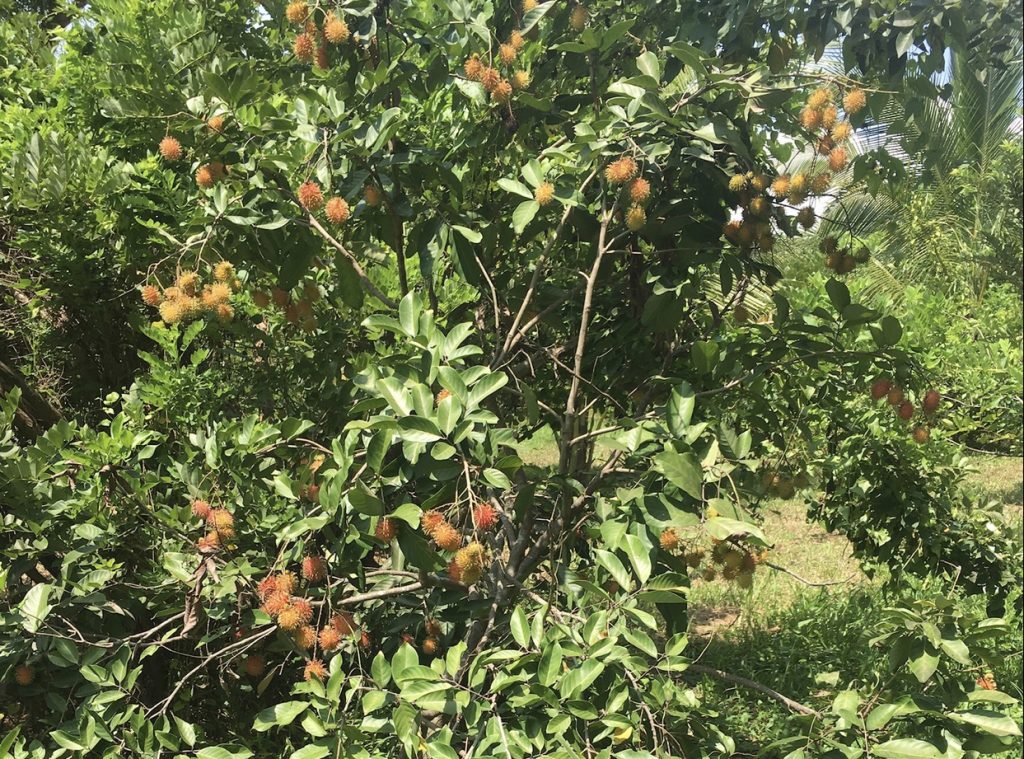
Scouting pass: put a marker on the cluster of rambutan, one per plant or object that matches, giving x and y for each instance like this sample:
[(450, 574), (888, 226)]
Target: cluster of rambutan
[(783, 485), (905, 409), (755, 227), (188, 299), (468, 563), (843, 261), (728, 559), (820, 117), (220, 525), (336, 209), (311, 44), (296, 311), (498, 86), (636, 190)]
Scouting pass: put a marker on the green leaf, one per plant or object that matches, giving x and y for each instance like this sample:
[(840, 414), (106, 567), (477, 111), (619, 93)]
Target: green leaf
[(679, 409), (611, 562), (524, 214), (907, 748), (279, 714), (639, 556), (35, 606), (892, 331), (648, 64), (312, 751), (991, 722), (550, 666), (515, 186), (704, 354), (682, 470), (497, 478), (219, 752), (838, 293), (923, 662), (520, 627)]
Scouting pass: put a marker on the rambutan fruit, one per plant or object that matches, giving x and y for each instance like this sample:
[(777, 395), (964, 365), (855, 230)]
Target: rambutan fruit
[(305, 637), (798, 183), (289, 619), (344, 623), (304, 609), (894, 396), (454, 571), (829, 116), (215, 295), (507, 53), (315, 670), (205, 176), (921, 434), (151, 296), (254, 665), (297, 12), (740, 314), (223, 271), (854, 100), (842, 131), (846, 264), (441, 395), (276, 603), (825, 145), (447, 537), (516, 39), (431, 646), (473, 68), (730, 573), (280, 297), (745, 235), (372, 195), (636, 218), (490, 78), (287, 582), (905, 411), (433, 628), (520, 80), (833, 261), (365, 641), (669, 539), (694, 558), (260, 299), (880, 388), (829, 244), (731, 230), (387, 529), (639, 191), (544, 193), (709, 574), (821, 182), (220, 519), (759, 206), (200, 508), (732, 558), (330, 638), (738, 182), (24, 675), (578, 18), (209, 542), (187, 282), (266, 586), (745, 580), (780, 187), (321, 59), (484, 516), (621, 170), (820, 98), (766, 241), (310, 196), (170, 149), (335, 30), (837, 159), (529, 5), (304, 46), (931, 401), (314, 568), (336, 210), (433, 518), (862, 255), (215, 123), (470, 556), (810, 119), (805, 217), (502, 92)]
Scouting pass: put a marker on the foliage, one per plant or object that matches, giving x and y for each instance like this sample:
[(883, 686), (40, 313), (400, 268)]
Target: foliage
[(500, 270)]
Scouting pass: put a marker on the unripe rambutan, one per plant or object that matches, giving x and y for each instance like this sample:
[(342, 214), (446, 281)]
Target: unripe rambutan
[(315, 670), (507, 53), (330, 638), (833, 261), (669, 539), (780, 187), (490, 78), (544, 193), (287, 582), (170, 149), (484, 516), (200, 508), (639, 191), (215, 123), (862, 255), (344, 623), (621, 171), (337, 210), (837, 158), (151, 296), (821, 182), (433, 628), (805, 217), (291, 313), (310, 196), (314, 568), (906, 411), (304, 47), (740, 314), (738, 182), (842, 131), (759, 206), (305, 637), (372, 195), (931, 401), (431, 519), (745, 580), (854, 100), (636, 218), (709, 574), (730, 573), (447, 537), (387, 529), (810, 119), (578, 18), (260, 299), (320, 59), (880, 388), (846, 264), (205, 176), (766, 241), (502, 93), (829, 116), (24, 675), (297, 11), (280, 297), (473, 67), (820, 98), (254, 665), (335, 30), (921, 434), (894, 396), (516, 39), (431, 646), (731, 230), (520, 80), (694, 558), (829, 244)]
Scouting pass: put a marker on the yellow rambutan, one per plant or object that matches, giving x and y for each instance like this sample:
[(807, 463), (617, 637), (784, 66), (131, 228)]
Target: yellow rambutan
[(223, 271), (210, 541), (639, 191), (516, 39), (473, 67), (837, 158), (220, 519), (507, 53), (470, 561), (502, 92), (447, 537), (305, 637), (297, 11), (529, 5), (172, 311), (310, 196), (205, 176), (798, 184), (215, 123), (621, 170), (829, 116), (303, 608), (286, 582), (490, 78), (842, 131), (738, 182), (187, 282), (387, 529), (520, 80), (854, 100), (669, 539), (431, 519), (151, 295), (315, 670), (820, 98), (330, 638), (810, 119), (314, 568), (170, 149), (780, 187), (337, 210), (215, 295), (335, 30), (544, 193), (759, 206), (304, 46), (200, 508), (266, 587), (636, 218), (578, 18), (372, 195)]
